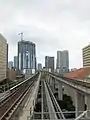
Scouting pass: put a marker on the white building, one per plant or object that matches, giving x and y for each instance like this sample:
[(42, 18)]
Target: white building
[(3, 57)]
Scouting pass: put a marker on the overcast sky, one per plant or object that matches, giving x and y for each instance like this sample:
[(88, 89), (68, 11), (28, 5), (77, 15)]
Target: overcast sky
[(52, 24)]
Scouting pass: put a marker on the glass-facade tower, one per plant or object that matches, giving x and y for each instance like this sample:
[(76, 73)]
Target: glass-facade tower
[(63, 61), (26, 56)]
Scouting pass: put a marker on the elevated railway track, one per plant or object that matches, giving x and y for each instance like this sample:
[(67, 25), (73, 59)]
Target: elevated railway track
[(50, 108), (9, 105)]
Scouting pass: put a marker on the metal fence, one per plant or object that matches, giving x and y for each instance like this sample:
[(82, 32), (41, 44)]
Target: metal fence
[(69, 116)]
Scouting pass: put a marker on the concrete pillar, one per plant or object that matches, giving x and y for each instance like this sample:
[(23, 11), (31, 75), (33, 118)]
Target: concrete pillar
[(88, 105), (60, 92), (79, 103), (70, 92)]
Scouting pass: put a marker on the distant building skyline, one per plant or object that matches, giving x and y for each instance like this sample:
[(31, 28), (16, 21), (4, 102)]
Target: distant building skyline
[(26, 56)]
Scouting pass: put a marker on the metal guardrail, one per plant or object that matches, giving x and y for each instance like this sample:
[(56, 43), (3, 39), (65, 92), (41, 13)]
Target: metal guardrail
[(4, 88), (11, 86), (84, 83), (81, 88), (82, 116), (7, 86)]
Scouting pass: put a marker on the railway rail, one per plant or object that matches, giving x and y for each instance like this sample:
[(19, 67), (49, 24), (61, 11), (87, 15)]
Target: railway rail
[(13, 89), (57, 108), (10, 104)]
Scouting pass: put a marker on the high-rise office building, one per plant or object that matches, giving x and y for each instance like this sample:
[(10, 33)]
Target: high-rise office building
[(10, 64), (7, 62), (62, 61), (3, 58), (49, 63), (7, 55), (46, 61), (15, 62), (86, 56), (26, 56), (39, 66), (65, 59), (59, 59)]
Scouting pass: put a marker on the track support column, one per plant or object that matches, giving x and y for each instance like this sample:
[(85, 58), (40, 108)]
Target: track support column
[(79, 103), (60, 92), (88, 105)]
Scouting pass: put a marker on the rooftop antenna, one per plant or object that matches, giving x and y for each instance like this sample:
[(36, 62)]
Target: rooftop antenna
[(21, 34)]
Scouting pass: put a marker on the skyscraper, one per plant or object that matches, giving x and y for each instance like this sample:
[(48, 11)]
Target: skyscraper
[(7, 62), (86, 56), (59, 59), (26, 56), (49, 63), (46, 61), (15, 62), (3, 57), (65, 59), (39, 66), (62, 61)]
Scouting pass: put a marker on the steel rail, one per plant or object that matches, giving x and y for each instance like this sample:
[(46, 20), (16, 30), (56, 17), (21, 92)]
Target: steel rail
[(55, 103), (3, 117), (50, 104), (17, 105), (10, 103)]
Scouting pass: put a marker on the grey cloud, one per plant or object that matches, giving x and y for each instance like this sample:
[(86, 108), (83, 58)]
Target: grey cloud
[(51, 24)]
